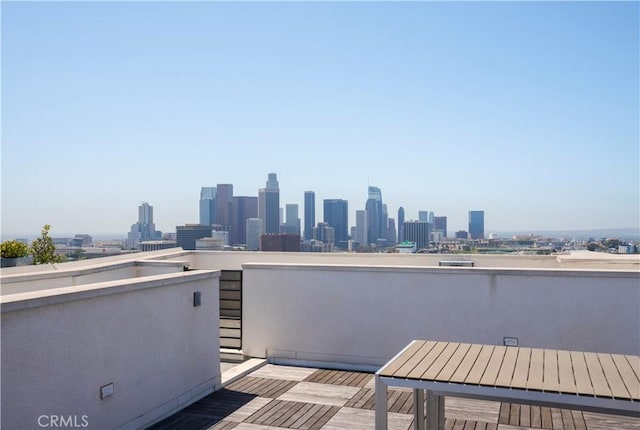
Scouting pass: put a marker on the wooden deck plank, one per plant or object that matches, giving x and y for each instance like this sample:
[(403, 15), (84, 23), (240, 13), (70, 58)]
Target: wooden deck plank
[(596, 375), (467, 363), (630, 378), (521, 371), (536, 369), (578, 420), (442, 360), (298, 414), (618, 389), (583, 383), (427, 361), (454, 362), (514, 414), (567, 419), (402, 359), (551, 381), (566, 379), (479, 367), (546, 421), (505, 375), (634, 361), (525, 415), (536, 417), (493, 368), (503, 415), (304, 417)]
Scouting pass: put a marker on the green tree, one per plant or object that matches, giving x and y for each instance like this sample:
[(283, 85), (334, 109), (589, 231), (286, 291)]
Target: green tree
[(43, 249), (14, 249)]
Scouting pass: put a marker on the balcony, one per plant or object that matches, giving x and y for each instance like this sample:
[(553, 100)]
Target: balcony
[(71, 330)]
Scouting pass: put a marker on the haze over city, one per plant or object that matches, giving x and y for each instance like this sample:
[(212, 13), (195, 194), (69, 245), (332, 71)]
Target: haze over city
[(528, 111)]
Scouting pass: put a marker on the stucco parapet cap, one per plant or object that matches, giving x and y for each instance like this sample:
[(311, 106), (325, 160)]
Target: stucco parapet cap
[(447, 270), (34, 299), (71, 270)]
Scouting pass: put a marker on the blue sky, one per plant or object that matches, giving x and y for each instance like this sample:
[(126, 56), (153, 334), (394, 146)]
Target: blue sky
[(526, 110)]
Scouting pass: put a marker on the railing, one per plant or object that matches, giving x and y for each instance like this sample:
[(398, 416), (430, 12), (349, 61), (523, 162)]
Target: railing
[(231, 309)]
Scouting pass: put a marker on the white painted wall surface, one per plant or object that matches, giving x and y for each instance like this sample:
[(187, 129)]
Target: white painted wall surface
[(100, 271), (143, 335), (365, 315)]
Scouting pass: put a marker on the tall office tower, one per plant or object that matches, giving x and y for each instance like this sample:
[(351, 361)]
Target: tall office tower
[(476, 224), (374, 215), (361, 228), (336, 214), (441, 225), (208, 205), (391, 232), (186, 235), (418, 232), (385, 220), (224, 202), (292, 223), (243, 208), (254, 229), (423, 216), (144, 229), (432, 218), (269, 205), (309, 214), (400, 223)]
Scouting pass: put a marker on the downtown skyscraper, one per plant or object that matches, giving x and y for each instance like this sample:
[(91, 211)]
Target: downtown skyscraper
[(375, 218), (336, 214), (269, 205), (309, 214), (207, 206), (476, 224)]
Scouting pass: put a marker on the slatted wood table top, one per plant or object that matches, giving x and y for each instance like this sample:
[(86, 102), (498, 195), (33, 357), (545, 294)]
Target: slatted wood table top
[(613, 376)]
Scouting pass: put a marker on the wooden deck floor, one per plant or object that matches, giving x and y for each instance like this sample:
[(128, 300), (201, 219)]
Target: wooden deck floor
[(277, 397)]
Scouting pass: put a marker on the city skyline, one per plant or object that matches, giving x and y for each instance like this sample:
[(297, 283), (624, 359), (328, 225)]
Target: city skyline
[(527, 111)]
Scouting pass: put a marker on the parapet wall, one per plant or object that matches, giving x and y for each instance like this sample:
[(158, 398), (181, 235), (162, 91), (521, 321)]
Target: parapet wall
[(363, 315), (142, 335)]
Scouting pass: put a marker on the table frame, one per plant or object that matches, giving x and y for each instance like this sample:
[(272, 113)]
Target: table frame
[(434, 393)]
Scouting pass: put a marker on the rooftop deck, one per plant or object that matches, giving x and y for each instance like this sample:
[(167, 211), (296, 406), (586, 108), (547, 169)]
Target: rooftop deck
[(277, 397)]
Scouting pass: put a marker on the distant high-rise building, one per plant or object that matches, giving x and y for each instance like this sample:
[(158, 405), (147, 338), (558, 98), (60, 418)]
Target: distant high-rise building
[(309, 214), (418, 232), (292, 222), (361, 228), (208, 205), (224, 203), (186, 235), (432, 219), (243, 208), (423, 216), (254, 230), (476, 224), (391, 232), (400, 223), (461, 234), (441, 225), (336, 214), (269, 205), (374, 215), (323, 232), (144, 229)]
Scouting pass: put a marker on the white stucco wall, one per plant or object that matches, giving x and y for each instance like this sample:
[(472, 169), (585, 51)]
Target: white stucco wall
[(364, 315), (143, 335), (101, 271)]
